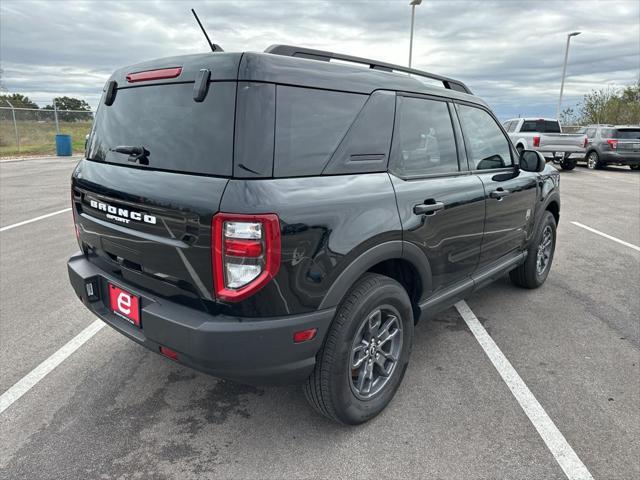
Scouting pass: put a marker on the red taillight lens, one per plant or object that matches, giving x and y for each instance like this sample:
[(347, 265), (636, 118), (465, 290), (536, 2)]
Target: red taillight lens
[(536, 141), (586, 142), (154, 74), (613, 144), (245, 251)]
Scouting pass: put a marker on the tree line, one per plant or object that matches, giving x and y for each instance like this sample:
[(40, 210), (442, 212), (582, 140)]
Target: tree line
[(608, 105), (62, 103)]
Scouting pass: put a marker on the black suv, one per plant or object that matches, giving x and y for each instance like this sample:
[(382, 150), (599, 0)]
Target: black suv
[(282, 217)]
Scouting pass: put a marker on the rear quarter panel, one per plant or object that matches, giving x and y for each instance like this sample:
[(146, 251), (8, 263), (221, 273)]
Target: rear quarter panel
[(326, 222)]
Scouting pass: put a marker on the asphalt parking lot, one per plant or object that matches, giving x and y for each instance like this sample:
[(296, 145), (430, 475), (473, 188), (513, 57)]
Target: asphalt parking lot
[(113, 410)]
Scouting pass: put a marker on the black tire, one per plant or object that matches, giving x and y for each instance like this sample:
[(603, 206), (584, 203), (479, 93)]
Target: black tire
[(593, 161), (528, 275), (634, 167), (568, 164), (520, 149), (329, 389)]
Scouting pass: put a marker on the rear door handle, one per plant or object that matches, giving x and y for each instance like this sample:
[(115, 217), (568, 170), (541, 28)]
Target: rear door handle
[(499, 193), (428, 208)]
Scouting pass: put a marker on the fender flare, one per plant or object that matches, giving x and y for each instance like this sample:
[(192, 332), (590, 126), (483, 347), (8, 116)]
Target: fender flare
[(392, 250)]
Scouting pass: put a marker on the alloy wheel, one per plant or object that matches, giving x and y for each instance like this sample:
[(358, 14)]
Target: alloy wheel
[(544, 250), (375, 352)]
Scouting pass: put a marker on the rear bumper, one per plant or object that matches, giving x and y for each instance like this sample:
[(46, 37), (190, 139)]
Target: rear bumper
[(620, 158), (248, 350)]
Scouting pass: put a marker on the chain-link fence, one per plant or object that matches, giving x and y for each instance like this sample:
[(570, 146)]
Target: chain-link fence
[(32, 131)]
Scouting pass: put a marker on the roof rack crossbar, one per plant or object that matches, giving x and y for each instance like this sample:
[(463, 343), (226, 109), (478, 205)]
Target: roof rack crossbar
[(312, 54)]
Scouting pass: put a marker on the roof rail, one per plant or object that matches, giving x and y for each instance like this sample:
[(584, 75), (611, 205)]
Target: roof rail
[(309, 53)]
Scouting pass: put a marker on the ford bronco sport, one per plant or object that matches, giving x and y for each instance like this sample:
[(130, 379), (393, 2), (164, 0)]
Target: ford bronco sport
[(279, 217)]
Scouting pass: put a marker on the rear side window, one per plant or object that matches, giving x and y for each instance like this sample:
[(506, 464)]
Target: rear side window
[(180, 134), (423, 140), (309, 127), (487, 147)]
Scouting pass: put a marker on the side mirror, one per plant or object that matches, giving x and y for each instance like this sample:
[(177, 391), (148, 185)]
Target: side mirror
[(532, 161)]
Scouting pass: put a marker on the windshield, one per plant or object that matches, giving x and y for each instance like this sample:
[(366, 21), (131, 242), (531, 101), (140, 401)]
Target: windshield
[(175, 132)]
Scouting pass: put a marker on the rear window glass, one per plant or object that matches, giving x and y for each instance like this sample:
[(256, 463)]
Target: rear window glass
[(180, 134), (540, 126), (309, 126), (626, 134)]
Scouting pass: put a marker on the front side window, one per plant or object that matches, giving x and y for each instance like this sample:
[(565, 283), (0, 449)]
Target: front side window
[(487, 147), (424, 141)]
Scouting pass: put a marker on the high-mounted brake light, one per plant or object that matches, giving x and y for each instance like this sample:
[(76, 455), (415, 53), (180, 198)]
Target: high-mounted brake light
[(613, 144), (536, 141), (245, 251), (154, 74)]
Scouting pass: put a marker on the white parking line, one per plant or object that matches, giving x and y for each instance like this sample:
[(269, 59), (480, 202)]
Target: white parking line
[(34, 376), (41, 217), (572, 466), (598, 232)]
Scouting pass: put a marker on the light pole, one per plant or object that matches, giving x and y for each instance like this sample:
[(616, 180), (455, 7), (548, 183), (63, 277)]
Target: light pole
[(413, 14), (564, 70)]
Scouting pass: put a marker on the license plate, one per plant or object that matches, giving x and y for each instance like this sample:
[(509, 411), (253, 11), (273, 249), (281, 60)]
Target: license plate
[(124, 304)]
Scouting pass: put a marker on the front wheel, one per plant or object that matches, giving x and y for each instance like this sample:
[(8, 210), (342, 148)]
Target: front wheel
[(365, 354), (534, 271)]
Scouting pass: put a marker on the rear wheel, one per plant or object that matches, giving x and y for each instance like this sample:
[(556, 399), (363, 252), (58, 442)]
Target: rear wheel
[(365, 354), (520, 149), (568, 163), (593, 161), (534, 271)]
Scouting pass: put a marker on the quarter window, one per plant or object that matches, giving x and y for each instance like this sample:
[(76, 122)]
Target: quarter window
[(487, 147), (424, 141)]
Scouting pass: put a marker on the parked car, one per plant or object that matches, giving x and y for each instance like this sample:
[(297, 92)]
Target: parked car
[(612, 145), (545, 135), (279, 218)]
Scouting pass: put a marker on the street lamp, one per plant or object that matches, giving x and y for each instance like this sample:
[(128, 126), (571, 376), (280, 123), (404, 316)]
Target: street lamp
[(564, 69), (413, 14)]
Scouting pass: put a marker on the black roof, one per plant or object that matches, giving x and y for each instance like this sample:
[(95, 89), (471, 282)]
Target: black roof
[(300, 67)]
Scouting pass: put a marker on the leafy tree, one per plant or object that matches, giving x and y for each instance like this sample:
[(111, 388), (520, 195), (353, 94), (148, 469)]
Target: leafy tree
[(18, 101), (70, 103), (609, 105)]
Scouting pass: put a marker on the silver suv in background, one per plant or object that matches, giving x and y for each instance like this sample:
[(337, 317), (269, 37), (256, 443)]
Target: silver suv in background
[(545, 135), (612, 145)]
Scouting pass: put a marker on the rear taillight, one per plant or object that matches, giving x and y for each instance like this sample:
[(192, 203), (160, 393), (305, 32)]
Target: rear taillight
[(245, 251), (586, 142), (154, 74), (613, 144), (536, 141)]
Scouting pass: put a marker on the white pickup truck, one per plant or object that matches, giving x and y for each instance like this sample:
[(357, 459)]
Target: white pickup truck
[(545, 135)]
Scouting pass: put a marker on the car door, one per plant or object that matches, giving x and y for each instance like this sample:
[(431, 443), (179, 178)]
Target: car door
[(441, 204), (510, 193)]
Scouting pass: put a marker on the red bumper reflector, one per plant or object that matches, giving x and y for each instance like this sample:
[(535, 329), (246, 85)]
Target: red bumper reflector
[(167, 352), (154, 74), (304, 335)]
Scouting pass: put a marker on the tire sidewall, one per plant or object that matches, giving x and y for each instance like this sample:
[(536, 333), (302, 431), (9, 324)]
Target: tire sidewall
[(353, 410)]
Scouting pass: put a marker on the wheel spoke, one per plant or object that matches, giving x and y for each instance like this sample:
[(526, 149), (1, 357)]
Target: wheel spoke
[(384, 335), (375, 319), (385, 364), (359, 355)]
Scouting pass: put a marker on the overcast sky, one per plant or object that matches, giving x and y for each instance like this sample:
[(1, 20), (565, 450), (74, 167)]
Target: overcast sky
[(509, 52)]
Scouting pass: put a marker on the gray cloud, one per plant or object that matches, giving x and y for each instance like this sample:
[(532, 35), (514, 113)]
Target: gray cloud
[(509, 52)]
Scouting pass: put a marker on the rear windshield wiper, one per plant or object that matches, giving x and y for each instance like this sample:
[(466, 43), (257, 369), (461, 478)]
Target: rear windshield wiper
[(136, 154)]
